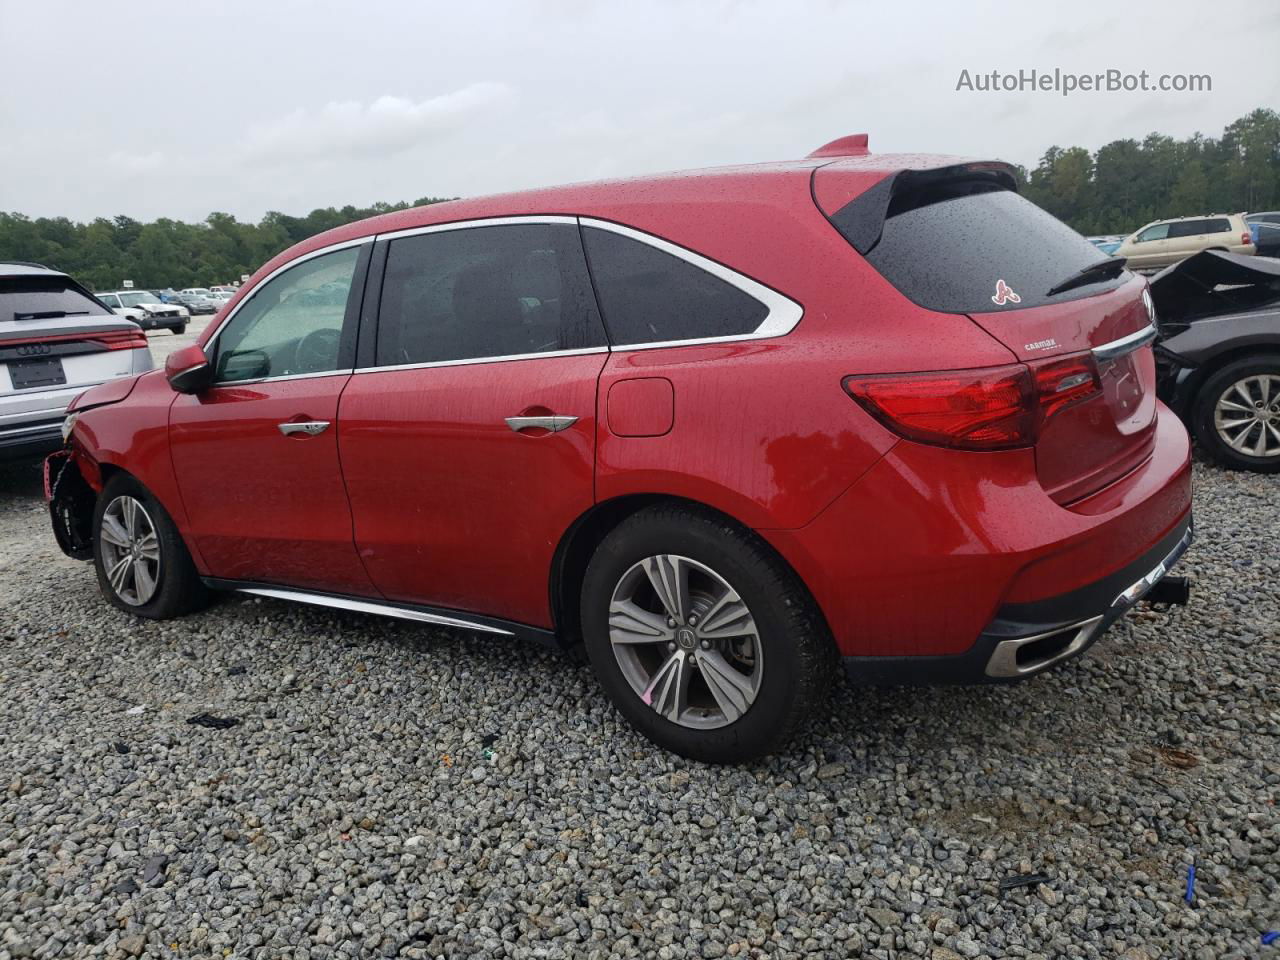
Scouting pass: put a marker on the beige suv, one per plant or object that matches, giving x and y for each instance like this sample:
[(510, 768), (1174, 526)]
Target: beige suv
[(1163, 242)]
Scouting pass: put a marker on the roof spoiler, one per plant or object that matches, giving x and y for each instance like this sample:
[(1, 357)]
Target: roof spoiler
[(861, 220), (854, 145)]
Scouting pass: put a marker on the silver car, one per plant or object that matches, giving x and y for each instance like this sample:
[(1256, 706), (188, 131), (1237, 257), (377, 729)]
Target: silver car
[(56, 340)]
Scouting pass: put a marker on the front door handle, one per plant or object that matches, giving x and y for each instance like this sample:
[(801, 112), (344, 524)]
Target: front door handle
[(309, 427), (554, 424)]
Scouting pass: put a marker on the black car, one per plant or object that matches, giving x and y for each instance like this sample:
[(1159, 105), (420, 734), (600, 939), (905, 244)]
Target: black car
[(194, 303), (1218, 359)]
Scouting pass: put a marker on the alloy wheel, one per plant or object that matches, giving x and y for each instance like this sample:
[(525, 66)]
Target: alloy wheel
[(685, 641), (130, 550), (1247, 415)]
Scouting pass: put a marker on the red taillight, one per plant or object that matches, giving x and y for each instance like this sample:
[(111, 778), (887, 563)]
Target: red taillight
[(120, 339), (1062, 382), (995, 408), (1246, 237)]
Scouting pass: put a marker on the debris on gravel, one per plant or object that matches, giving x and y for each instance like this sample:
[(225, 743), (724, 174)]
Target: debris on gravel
[(394, 790)]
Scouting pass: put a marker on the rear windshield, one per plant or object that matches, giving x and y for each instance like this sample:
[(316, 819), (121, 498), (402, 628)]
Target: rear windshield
[(949, 246), (34, 298)]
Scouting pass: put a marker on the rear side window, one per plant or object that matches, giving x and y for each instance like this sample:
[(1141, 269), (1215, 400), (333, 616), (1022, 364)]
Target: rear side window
[(947, 246), (650, 296), (1194, 228), (483, 292), (38, 297)]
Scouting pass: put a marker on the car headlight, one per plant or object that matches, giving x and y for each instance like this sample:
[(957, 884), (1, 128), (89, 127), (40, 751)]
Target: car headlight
[(68, 425)]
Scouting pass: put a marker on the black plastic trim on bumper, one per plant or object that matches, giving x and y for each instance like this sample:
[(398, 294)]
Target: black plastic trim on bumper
[(1012, 621), (32, 444)]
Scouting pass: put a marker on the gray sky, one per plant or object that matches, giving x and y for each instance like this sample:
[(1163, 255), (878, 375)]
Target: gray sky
[(161, 108)]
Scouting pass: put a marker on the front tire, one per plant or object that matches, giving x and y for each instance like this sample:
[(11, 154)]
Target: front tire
[(1237, 414), (702, 637), (142, 564)]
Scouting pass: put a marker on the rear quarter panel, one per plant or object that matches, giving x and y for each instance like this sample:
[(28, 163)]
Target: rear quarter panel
[(763, 429)]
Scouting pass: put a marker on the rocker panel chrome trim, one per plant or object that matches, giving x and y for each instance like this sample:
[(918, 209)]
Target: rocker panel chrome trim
[(368, 606)]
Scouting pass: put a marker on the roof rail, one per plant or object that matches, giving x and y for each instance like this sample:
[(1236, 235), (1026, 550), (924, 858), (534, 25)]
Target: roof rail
[(26, 263), (854, 145)]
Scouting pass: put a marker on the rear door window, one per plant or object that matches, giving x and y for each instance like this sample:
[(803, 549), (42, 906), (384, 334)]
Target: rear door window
[(484, 292), (1187, 228), (36, 297), (650, 296), (947, 247)]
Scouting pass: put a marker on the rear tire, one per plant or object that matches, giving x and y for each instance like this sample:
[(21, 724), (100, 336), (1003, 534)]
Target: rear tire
[(1234, 408), (179, 330), (143, 566), (741, 689)]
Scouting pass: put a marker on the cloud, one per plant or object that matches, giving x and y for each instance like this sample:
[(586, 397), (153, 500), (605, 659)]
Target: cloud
[(137, 162), (385, 125)]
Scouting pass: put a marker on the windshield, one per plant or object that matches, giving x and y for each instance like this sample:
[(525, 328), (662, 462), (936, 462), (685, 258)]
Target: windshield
[(136, 299)]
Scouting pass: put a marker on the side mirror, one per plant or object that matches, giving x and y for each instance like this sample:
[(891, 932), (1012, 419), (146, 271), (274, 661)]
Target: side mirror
[(188, 370)]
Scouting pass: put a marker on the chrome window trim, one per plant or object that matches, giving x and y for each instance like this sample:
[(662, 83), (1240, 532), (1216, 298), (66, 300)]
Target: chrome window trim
[(217, 332), (1118, 348), (580, 352), (783, 316), (343, 372), (512, 221)]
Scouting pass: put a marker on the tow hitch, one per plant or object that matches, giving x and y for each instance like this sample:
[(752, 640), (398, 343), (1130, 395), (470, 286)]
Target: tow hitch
[(1173, 590)]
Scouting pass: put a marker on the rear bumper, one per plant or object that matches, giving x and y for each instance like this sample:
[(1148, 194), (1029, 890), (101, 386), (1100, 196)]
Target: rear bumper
[(931, 549), (30, 440), (1028, 638)]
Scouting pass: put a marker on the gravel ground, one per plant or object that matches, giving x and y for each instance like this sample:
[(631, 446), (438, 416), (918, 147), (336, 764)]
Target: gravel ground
[(394, 790)]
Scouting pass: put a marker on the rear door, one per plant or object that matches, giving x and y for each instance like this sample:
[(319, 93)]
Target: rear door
[(1187, 237), (256, 454), (468, 442), (963, 246)]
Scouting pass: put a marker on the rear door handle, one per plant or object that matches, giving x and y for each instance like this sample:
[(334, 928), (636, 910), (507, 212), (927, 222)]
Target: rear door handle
[(554, 424), (309, 427)]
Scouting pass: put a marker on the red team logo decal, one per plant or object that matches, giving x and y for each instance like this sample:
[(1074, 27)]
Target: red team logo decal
[(1004, 295)]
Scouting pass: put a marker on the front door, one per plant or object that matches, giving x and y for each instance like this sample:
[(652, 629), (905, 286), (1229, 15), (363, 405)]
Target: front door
[(256, 455), (469, 446)]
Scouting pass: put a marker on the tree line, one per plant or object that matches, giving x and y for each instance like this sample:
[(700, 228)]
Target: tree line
[(168, 253), (1115, 189), (1128, 183)]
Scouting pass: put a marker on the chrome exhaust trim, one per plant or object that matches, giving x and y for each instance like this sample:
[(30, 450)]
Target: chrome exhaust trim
[(1004, 658)]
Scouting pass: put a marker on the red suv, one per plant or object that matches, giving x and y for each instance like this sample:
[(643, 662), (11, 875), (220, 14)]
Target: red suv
[(720, 427)]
